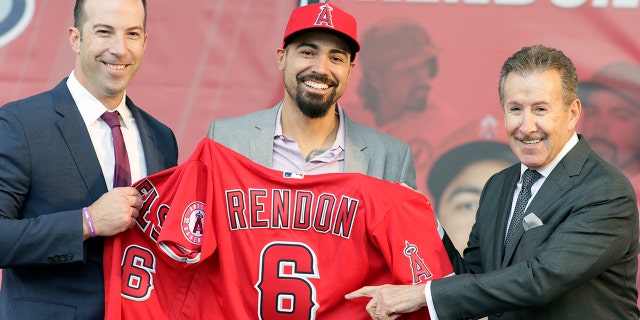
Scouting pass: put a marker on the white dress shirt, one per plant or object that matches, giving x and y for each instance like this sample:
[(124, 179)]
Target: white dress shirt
[(91, 109)]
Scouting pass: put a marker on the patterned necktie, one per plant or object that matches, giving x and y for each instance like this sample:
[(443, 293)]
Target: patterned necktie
[(528, 178), (122, 171)]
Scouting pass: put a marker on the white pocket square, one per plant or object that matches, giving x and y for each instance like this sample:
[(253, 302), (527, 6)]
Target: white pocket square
[(531, 221)]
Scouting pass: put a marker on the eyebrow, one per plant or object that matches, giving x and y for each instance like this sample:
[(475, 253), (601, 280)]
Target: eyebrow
[(110, 27), (316, 47)]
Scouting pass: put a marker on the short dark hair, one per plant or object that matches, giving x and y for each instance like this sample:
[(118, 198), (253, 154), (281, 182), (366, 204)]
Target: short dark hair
[(79, 17), (539, 58)]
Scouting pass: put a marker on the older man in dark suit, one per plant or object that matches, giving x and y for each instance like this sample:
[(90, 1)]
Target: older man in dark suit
[(566, 246), (59, 190)]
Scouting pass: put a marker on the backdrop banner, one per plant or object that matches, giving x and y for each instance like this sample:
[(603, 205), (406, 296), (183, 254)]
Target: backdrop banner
[(427, 72)]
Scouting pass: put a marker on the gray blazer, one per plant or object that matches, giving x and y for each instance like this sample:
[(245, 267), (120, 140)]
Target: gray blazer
[(580, 264), (48, 172), (367, 151)]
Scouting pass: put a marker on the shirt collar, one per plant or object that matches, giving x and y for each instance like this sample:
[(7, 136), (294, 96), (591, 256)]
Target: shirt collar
[(90, 107), (546, 170)]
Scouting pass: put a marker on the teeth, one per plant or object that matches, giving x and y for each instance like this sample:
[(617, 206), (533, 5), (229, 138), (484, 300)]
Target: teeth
[(531, 141), (115, 66), (316, 85)]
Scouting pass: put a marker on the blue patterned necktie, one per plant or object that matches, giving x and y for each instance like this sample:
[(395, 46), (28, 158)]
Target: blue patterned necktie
[(529, 177)]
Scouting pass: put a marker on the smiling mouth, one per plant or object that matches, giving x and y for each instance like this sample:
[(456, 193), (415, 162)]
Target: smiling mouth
[(530, 142), (116, 67), (316, 85)]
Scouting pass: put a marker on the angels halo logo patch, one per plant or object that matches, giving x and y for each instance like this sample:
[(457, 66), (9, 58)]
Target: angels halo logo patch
[(193, 222), (15, 16)]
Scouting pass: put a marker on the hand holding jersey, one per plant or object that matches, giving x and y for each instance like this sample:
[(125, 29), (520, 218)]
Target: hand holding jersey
[(114, 212)]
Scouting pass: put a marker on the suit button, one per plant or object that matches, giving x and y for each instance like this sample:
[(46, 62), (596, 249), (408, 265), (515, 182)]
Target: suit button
[(50, 258), (69, 257), (56, 258)]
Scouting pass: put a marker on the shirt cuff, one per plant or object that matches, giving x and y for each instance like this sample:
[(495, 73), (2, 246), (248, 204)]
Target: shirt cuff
[(427, 293), (440, 229)]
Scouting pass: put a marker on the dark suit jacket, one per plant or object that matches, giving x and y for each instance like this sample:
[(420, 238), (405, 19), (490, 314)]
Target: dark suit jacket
[(367, 151), (580, 264), (48, 172)]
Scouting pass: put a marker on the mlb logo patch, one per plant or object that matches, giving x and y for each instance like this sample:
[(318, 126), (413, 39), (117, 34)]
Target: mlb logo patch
[(293, 175)]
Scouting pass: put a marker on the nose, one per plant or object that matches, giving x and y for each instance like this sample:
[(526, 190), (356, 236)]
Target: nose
[(529, 123), (321, 65), (118, 45)]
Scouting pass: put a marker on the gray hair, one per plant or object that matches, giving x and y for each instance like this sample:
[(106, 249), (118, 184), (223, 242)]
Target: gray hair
[(539, 58)]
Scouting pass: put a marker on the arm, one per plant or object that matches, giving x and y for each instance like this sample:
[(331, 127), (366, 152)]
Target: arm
[(581, 248), (41, 218), (408, 174), (585, 237)]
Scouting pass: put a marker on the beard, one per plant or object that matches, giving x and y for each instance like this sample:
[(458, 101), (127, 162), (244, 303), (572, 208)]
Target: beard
[(314, 105)]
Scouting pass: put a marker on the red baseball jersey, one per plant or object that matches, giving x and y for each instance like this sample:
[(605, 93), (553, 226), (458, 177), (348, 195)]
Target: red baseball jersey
[(221, 237)]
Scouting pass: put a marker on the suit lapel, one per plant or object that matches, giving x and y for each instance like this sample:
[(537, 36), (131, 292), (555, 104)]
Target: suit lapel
[(75, 134), (148, 139), (261, 144), (355, 144), (554, 187)]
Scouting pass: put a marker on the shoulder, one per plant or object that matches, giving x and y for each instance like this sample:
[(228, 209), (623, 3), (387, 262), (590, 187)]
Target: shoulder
[(28, 104), (355, 130), (248, 118), (40, 107), (149, 120)]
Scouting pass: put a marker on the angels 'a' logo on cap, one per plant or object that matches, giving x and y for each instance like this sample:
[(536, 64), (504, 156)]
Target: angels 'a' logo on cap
[(324, 17)]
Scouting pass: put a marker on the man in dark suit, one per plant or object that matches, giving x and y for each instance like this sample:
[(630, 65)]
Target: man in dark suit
[(572, 253), (57, 193)]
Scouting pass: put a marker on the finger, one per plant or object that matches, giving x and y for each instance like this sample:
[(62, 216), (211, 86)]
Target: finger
[(137, 203), (130, 191), (362, 292), (377, 311)]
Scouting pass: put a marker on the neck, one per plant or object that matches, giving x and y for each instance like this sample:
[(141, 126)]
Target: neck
[(314, 136)]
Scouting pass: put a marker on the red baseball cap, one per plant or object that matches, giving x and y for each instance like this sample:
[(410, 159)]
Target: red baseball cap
[(323, 16)]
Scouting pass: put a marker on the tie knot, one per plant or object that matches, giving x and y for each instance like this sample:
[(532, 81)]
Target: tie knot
[(529, 178), (111, 118)]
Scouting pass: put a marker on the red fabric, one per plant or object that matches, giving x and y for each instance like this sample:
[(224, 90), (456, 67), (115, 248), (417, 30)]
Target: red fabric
[(220, 237)]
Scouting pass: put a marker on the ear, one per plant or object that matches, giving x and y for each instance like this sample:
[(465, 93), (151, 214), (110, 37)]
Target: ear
[(146, 37), (282, 53), (74, 39), (575, 109)]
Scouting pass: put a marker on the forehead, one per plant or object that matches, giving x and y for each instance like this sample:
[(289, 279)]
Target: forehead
[(101, 11), (321, 39), (532, 85)]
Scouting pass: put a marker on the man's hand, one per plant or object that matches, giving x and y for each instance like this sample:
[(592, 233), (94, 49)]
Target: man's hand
[(114, 212), (391, 301)]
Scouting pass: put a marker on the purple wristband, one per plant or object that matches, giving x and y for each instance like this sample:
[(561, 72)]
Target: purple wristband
[(87, 217)]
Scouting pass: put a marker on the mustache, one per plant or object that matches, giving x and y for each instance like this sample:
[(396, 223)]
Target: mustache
[(318, 78), (524, 137)]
